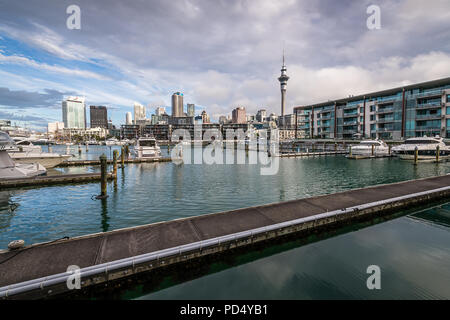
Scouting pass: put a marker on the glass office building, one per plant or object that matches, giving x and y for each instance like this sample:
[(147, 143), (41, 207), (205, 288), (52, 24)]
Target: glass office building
[(399, 113), (74, 113)]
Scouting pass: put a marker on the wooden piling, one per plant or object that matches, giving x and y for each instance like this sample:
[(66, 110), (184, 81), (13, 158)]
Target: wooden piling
[(416, 155), (104, 174), (122, 156), (437, 153), (115, 155), (350, 151), (373, 150)]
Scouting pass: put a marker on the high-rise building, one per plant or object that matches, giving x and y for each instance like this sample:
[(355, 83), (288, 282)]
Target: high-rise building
[(129, 119), (74, 112), (283, 84), (177, 105), (191, 110), (98, 116), (238, 115), (223, 119), (261, 115), (139, 112), (205, 117)]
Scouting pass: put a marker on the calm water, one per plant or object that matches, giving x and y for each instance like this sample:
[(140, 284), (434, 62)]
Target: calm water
[(413, 252)]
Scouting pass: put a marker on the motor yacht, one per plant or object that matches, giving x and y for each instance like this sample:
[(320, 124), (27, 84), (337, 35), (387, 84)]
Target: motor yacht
[(426, 146), (11, 170), (146, 147), (364, 148)]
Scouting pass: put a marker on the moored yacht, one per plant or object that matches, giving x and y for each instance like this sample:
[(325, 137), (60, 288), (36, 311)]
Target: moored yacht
[(11, 170), (146, 147), (365, 147), (426, 147)]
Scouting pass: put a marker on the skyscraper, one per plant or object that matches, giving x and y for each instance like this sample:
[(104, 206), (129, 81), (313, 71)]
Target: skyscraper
[(177, 105), (238, 115), (283, 84), (74, 112), (139, 112), (190, 110), (99, 117)]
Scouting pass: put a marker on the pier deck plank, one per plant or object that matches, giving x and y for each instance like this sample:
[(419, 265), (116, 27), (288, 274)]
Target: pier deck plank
[(50, 258)]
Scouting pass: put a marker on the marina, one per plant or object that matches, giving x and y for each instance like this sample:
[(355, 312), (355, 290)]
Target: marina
[(110, 256), (187, 204)]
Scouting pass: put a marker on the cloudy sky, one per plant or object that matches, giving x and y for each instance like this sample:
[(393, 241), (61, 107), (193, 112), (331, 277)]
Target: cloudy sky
[(219, 53)]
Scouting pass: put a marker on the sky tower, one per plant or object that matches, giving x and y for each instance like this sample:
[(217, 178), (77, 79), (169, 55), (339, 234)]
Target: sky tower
[(283, 83)]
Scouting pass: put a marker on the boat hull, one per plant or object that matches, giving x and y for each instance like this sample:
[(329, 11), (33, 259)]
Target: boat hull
[(46, 161)]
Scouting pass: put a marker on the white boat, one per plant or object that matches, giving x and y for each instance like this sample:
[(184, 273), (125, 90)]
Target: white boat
[(24, 145), (48, 160), (364, 148), (146, 147), (426, 147), (11, 170)]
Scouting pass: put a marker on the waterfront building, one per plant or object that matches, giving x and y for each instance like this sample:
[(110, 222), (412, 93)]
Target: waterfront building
[(409, 111), (191, 110), (177, 105), (205, 117), (87, 133), (54, 127), (283, 85), (74, 112), (261, 115), (98, 117), (139, 112), (238, 115), (128, 119)]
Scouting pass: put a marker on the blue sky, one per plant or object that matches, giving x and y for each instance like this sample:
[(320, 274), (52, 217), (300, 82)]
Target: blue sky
[(220, 53)]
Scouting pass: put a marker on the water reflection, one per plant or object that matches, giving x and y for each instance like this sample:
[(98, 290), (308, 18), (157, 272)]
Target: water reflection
[(105, 218), (7, 208)]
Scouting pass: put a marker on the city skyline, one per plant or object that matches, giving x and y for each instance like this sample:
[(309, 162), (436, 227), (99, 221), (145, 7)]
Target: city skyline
[(42, 62)]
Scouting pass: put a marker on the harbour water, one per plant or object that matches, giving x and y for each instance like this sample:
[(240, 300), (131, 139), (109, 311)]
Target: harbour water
[(412, 251)]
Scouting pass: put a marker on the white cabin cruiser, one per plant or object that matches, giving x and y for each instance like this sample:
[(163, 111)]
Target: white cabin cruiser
[(426, 147), (9, 169), (48, 160), (146, 147), (364, 148)]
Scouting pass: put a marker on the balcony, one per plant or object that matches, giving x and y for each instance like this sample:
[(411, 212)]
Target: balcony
[(350, 123), (350, 115), (429, 116), (437, 93), (386, 110), (385, 120), (429, 105), (388, 101)]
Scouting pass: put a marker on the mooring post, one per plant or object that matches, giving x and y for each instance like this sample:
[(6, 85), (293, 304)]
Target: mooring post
[(389, 149), (49, 148), (126, 150), (79, 148), (115, 154), (437, 153), (350, 150), (373, 150), (104, 176), (335, 146), (87, 147), (122, 156), (416, 155)]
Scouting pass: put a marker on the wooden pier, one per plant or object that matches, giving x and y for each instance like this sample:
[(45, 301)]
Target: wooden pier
[(52, 180), (40, 270), (72, 163), (311, 154)]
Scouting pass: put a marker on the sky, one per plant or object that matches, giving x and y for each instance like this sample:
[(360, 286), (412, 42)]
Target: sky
[(220, 53)]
